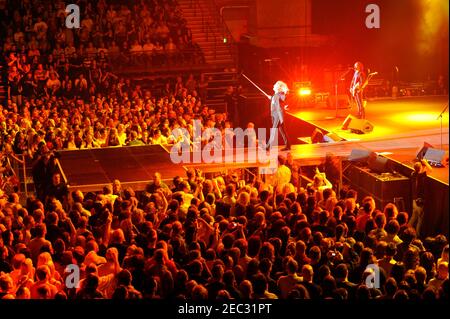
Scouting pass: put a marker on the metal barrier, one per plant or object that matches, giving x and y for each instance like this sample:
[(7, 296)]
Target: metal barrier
[(144, 59), (185, 57), (17, 162)]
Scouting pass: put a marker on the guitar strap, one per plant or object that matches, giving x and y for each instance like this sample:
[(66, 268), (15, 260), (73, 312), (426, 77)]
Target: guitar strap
[(366, 82)]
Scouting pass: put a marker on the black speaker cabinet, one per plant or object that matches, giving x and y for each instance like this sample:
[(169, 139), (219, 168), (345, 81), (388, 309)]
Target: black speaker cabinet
[(384, 188)]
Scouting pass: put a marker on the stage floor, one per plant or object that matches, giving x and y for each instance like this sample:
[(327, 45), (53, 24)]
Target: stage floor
[(134, 166), (400, 128), (389, 117)]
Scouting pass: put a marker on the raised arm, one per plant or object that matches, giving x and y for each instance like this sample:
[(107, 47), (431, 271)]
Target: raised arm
[(426, 166), (216, 188), (199, 192), (73, 231), (327, 182)]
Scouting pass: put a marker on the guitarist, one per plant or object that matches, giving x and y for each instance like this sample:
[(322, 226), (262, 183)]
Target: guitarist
[(357, 86)]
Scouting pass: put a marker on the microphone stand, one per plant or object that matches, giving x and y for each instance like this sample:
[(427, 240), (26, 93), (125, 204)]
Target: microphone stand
[(261, 90), (440, 117), (341, 78)]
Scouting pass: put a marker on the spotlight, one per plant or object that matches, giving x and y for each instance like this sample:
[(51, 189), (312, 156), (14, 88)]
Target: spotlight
[(304, 91), (303, 88)]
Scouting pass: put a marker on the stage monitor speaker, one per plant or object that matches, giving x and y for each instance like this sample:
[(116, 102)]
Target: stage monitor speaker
[(384, 189), (332, 137), (421, 154), (434, 156), (359, 155), (360, 126)]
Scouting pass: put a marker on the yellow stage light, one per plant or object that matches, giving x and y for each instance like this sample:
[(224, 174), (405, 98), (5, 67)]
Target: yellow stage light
[(304, 91)]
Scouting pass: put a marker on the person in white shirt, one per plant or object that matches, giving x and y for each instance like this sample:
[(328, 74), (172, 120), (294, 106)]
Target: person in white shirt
[(282, 175)]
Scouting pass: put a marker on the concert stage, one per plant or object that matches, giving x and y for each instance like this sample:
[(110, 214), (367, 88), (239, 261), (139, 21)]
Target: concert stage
[(400, 128), (398, 134)]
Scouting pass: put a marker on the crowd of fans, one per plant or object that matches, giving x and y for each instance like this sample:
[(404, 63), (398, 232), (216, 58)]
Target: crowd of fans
[(196, 238), (70, 101), (215, 238), (67, 105), (61, 90), (146, 32), (75, 101), (99, 113)]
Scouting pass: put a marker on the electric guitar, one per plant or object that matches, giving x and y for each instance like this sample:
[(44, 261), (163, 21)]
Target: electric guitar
[(355, 89)]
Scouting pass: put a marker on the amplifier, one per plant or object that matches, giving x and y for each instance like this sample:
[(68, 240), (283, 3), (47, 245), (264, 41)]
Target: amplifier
[(384, 188)]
